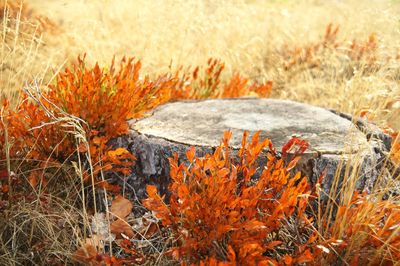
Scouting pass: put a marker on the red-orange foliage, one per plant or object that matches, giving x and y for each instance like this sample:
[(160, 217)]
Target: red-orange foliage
[(367, 50), (207, 83), (219, 212), (105, 99), (88, 255), (395, 154), (364, 232), (32, 135), (395, 151), (220, 215), (310, 54), (35, 136)]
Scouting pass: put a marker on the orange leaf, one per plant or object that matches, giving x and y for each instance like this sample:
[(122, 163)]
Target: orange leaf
[(119, 227), (151, 230), (273, 244), (117, 152), (151, 190), (97, 140), (305, 257), (227, 137), (183, 191), (231, 254), (85, 254), (82, 147), (223, 172), (121, 207), (109, 187), (5, 188), (287, 260), (222, 229), (191, 153), (33, 179), (253, 225), (293, 163), (175, 253)]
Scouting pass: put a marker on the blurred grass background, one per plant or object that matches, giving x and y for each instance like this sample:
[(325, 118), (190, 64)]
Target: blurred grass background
[(249, 36)]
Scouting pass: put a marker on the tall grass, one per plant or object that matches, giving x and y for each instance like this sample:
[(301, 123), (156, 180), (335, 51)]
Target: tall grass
[(23, 53), (249, 36)]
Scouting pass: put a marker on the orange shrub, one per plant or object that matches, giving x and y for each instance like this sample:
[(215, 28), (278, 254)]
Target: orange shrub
[(105, 99), (363, 232), (31, 133), (207, 83), (395, 154), (395, 151), (218, 211), (312, 53), (220, 214)]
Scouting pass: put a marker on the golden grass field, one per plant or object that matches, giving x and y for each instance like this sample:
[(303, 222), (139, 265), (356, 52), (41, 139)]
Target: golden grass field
[(337, 54), (247, 35)]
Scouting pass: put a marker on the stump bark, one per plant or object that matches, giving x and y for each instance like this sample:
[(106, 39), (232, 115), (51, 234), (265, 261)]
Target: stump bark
[(334, 138)]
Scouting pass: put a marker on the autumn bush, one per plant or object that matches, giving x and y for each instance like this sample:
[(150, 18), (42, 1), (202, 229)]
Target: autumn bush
[(395, 151), (364, 231), (227, 210), (206, 82), (101, 101), (59, 135), (219, 211), (223, 210), (312, 55)]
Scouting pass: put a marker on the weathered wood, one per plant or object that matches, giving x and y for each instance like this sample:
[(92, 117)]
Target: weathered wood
[(174, 127)]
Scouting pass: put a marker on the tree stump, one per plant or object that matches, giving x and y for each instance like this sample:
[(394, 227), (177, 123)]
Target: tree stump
[(334, 138)]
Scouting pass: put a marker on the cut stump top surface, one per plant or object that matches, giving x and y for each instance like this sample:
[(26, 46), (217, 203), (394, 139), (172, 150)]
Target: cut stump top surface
[(202, 123)]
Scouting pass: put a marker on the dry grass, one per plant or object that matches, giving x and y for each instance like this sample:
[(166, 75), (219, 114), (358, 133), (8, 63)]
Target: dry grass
[(44, 223), (253, 37), (23, 53), (247, 35)]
